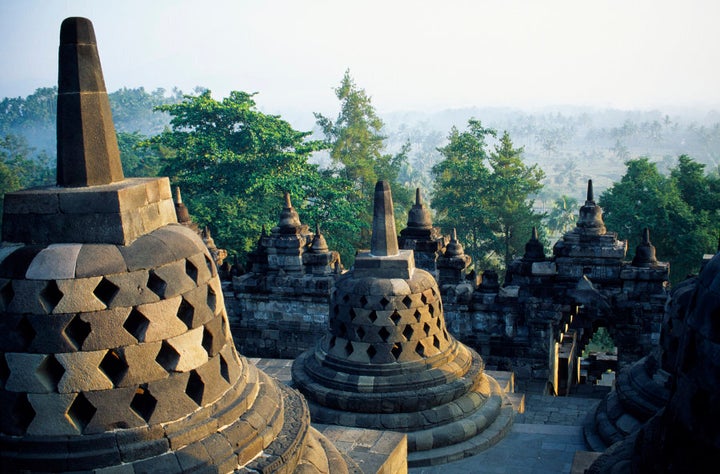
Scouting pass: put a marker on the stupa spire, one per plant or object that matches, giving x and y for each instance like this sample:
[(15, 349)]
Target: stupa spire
[(384, 242), (87, 148)]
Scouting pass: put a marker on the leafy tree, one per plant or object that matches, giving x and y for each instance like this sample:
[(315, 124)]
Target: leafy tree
[(234, 163), (563, 214), (644, 197), (486, 195), (356, 144), (138, 159), (21, 166)]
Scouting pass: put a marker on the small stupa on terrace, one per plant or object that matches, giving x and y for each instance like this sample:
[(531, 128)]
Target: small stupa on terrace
[(115, 352), (388, 361)]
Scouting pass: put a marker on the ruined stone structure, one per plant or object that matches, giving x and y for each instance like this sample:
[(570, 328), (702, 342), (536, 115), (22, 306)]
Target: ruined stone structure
[(422, 237), (683, 435), (389, 362), (115, 351), (551, 306), (281, 302)]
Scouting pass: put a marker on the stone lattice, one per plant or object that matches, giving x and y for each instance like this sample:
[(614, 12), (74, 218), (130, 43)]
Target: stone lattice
[(388, 361)]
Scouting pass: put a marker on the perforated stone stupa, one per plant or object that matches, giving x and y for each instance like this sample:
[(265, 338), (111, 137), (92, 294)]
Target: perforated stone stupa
[(388, 361), (115, 353)]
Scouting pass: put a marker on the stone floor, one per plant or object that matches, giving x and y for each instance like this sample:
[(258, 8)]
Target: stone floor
[(546, 437)]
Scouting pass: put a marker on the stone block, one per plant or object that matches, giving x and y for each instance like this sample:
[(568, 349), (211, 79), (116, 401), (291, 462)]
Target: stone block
[(190, 350), (146, 252), (18, 260), (99, 259), (194, 458), (78, 296), (141, 443), (141, 363), (82, 372), (50, 336), (113, 410), (172, 401), (131, 289), (175, 277), (180, 243), (51, 417), (165, 463), (106, 329), (55, 262), (163, 321), (38, 201), (29, 373)]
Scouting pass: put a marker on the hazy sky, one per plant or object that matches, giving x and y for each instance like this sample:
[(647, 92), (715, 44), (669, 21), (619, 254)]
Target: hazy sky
[(405, 54)]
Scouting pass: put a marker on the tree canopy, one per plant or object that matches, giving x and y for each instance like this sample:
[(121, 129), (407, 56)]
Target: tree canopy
[(681, 211), (233, 165), (356, 143), (486, 195)]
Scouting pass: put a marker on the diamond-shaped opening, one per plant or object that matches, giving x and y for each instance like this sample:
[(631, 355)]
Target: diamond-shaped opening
[(423, 298), (224, 370), (363, 301), (447, 336), (372, 316), (342, 330), (432, 290), (77, 331), (348, 348), (21, 414), (420, 349), (136, 324), (426, 328), (431, 310), (396, 350), (395, 317), (81, 412), (207, 341), (186, 312), (168, 357), (408, 332), (105, 291), (50, 296), (49, 372), (6, 294), (436, 342), (4, 371), (195, 388), (384, 302), (191, 270), (332, 341), (143, 403), (371, 351), (384, 334), (407, 301), (156, 284), (211, 299), (210, 265), (25, 331), (418, 315), (352, 314), (438, 322), (360, 333), (114, 366)]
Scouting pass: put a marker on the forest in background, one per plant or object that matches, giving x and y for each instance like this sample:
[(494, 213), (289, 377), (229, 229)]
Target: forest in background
[(569, 144)]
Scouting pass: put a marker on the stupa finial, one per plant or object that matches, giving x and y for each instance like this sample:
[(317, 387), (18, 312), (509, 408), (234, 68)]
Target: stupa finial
[(87, 148), (384, 240), (590, 197)]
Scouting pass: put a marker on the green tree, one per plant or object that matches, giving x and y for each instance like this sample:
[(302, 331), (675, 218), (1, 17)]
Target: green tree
[(563, 214), (138, 159), (356, 144), (234, 163), (485, 195), (21, 166), (645, 198)]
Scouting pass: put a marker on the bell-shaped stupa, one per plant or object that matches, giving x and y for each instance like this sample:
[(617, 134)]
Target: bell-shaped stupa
[(115, 352), (388, 361)]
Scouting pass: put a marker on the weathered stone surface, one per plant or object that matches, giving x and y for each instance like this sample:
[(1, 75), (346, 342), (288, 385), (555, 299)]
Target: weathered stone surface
[(99, 259), (78, 295), (51, 414), (82, 372), (163, 321), (55, 262)]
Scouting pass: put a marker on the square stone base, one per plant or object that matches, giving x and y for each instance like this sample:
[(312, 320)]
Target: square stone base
[(116, 213)]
